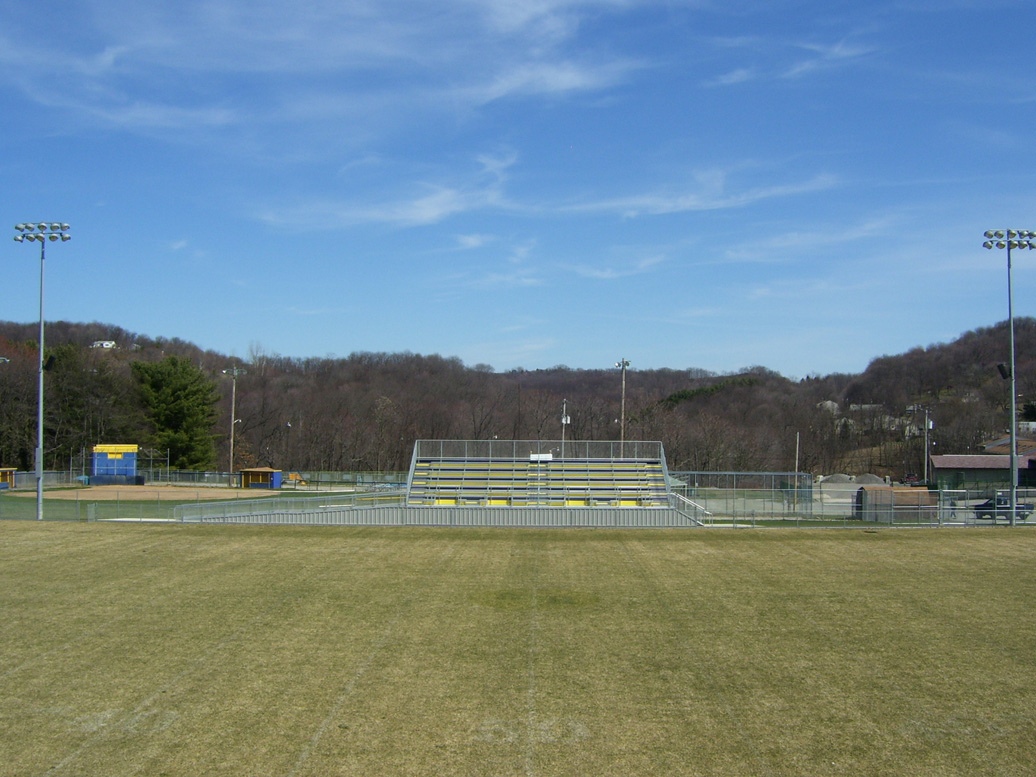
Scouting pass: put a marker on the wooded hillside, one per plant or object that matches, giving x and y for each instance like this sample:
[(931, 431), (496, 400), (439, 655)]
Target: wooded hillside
[(363, 412)]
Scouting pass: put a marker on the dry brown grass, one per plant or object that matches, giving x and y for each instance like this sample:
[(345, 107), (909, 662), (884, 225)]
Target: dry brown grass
[(176, 650)]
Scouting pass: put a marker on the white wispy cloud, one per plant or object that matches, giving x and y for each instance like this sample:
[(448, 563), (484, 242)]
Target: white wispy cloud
[(826, 56), (767, 58), (739, 75), (546, 20), (618, 272), (548, 78), (423, 204), (824, 288), (777, 245), (710, 196), (432, 203), (522, 251), (144, 115), (520, 277), (496, 166), (468, 242), (517, 272), (135, 73), (436, 204)]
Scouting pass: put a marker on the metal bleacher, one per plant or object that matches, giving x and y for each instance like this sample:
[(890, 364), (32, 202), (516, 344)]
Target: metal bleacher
[(500, 473)]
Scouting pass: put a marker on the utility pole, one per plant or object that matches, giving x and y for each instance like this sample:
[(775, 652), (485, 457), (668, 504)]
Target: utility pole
[(233, 372)]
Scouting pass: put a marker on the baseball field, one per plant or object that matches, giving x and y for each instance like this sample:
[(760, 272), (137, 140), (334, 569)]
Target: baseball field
[(158, 649)]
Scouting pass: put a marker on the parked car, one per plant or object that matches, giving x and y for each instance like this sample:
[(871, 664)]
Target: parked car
[(1000, 507)]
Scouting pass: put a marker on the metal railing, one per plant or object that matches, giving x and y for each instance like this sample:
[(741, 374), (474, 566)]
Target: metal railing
[(524, 449), (200, 512), (695, 512)]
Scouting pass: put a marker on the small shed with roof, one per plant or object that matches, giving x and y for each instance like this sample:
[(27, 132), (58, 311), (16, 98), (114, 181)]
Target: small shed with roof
[(261, 477)]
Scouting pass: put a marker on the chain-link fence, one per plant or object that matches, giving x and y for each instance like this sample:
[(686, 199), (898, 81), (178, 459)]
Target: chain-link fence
[(708, 498)]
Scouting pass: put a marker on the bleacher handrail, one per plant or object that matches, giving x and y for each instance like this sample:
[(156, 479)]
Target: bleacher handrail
[(681, 499)]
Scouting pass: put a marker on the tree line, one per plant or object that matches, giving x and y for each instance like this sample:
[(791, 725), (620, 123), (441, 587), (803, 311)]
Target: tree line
[(363, 412)]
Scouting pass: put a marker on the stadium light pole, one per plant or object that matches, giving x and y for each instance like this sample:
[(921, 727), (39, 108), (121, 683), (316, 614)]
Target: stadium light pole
[(622, 364), (564, 422), (41, 232), (233, 372), (1009, 239), (928, 426)]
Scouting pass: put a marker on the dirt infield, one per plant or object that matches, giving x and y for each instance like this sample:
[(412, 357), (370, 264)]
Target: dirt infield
[(151, 493)]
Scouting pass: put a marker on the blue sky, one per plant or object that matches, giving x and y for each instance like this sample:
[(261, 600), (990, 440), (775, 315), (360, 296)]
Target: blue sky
[(523, 183)]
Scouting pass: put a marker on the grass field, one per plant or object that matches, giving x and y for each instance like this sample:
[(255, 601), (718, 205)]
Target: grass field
[(136, 649)]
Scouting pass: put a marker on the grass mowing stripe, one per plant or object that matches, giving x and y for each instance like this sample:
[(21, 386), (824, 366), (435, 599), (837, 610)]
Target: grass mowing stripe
[(141, 711), (678, 626), (533, 651), (361, 670)]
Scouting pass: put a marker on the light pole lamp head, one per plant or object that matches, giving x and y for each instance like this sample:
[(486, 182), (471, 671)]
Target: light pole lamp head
[(42, 231), (1010, 238)]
